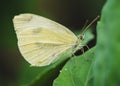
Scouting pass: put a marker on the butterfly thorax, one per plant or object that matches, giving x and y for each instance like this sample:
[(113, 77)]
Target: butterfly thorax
[(78, 45)]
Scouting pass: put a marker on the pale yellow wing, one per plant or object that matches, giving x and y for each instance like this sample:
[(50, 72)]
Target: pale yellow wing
[(42, 54), (39, 38)]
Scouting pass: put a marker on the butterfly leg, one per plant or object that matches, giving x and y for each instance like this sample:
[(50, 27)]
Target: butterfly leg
[(88, 48), (82, 50), (73, 55)]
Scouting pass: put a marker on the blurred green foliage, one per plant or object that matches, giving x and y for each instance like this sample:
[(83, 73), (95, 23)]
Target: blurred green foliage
[(77, 71), (107, 61), (14, 70)]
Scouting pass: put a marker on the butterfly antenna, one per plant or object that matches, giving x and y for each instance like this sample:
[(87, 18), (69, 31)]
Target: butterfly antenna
[(90, 24), (86, 22)]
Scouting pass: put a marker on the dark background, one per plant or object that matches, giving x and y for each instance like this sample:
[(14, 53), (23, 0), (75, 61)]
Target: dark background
[(70, 13)]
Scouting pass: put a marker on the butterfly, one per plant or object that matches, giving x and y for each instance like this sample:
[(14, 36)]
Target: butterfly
[(42, 41)]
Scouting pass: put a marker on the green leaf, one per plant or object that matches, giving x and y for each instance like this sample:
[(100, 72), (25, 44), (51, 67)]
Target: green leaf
[(77, 71), (107, 58), (41, 76)]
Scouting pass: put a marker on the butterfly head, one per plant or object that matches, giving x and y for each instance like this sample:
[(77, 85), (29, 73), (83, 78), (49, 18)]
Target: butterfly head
[(81, 37)]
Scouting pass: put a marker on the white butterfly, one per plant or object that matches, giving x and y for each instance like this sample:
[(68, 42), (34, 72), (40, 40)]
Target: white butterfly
[(42, 41)]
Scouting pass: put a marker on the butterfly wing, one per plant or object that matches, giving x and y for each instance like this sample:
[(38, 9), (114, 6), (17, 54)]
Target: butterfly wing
[(42, 54), (41, 41)]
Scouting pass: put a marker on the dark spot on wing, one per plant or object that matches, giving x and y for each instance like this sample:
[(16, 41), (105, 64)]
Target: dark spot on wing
[(37, 30), (53, 55), (39, 45), (56, 53)]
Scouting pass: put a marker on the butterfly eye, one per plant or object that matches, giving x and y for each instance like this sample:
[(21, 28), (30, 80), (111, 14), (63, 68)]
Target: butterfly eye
[(81, 37)]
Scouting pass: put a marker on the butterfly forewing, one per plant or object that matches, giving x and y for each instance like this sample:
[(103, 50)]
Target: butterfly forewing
[(41, 41)]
